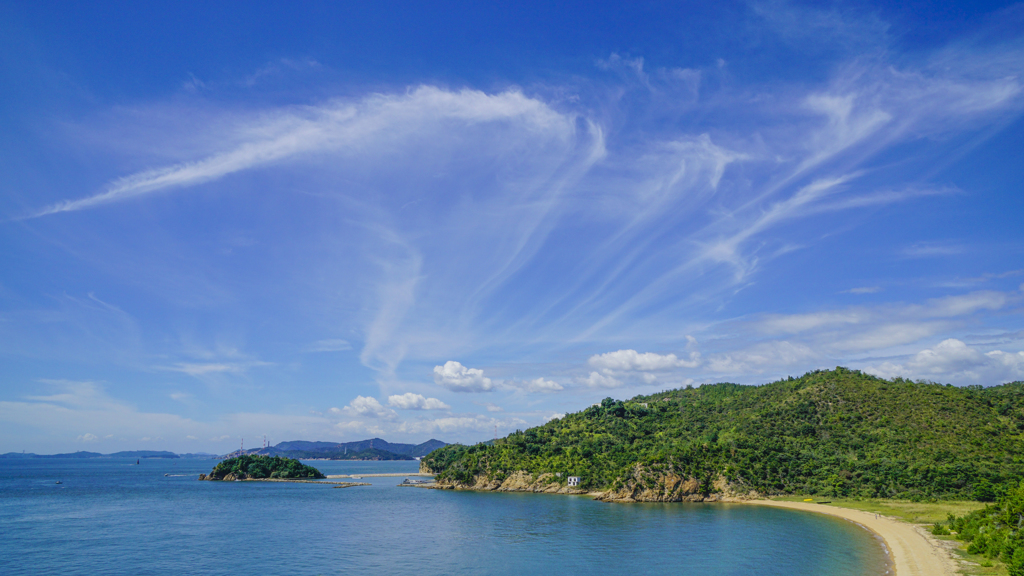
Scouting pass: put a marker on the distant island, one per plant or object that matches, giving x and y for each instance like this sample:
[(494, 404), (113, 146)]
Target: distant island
[(833, 433), (253, 467), (373, 449), (127, 454)]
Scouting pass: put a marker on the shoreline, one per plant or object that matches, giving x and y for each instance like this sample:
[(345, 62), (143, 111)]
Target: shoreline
[(911, 551)]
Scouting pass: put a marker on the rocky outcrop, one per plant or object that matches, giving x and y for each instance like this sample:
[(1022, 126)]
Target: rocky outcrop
[(516, 482), (642, 485), (229, 477), (654, 485)]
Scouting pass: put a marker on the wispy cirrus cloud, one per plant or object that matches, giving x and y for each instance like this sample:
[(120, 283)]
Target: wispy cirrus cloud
[(293, 132), (330, 345), (863, 290)]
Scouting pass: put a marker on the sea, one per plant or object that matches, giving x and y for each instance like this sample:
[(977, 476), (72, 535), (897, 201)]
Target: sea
[(111, 516)]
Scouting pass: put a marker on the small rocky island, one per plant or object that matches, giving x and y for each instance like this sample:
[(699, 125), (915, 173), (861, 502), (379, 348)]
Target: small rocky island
[(253, 467)]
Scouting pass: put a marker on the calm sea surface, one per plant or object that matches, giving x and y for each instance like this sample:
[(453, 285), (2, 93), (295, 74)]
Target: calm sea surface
[(112, 517)]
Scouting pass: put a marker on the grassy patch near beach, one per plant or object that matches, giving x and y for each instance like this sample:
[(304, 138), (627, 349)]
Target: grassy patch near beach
[(977, 565), (913, 512)]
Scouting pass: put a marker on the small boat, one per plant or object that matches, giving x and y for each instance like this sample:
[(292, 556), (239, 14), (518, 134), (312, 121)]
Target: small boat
[(59, 482)]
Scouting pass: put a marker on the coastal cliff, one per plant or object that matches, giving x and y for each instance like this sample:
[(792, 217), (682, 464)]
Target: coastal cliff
[(641, 485), (516, 482)]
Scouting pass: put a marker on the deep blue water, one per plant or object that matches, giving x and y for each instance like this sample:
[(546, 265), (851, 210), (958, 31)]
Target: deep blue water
[(110, 517)]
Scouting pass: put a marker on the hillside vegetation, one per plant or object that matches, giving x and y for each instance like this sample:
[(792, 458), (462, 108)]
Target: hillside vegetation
[(831, 433), (997, 531)]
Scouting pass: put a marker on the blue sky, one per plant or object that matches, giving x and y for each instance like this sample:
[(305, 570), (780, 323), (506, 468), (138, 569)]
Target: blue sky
[(340, 221)]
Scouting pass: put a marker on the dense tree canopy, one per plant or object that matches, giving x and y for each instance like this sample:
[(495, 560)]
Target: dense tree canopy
[(258, 467), (831, 432)]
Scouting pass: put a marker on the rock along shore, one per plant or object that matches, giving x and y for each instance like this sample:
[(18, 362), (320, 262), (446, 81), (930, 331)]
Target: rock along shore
[(642, 486)]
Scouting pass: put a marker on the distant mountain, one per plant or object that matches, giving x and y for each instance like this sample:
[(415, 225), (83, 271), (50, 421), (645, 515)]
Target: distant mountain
[(372, 449), (336, 454), (70, 455), (143, 454), (427, 447), (129, 454)]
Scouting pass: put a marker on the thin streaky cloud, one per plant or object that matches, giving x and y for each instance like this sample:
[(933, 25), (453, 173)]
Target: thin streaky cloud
[(338, 125)]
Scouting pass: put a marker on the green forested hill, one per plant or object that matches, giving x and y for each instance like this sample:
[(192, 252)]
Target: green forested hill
[(259, 467), (833, 433)]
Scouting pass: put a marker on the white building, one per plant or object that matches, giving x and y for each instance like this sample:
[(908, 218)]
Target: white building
[(574, 481)]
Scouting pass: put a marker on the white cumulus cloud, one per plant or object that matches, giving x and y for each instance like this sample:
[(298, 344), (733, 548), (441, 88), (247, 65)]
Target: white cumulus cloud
[(631, 360), (368, 407), (954, 361), (598, 380), (410, 401), (457, 378)]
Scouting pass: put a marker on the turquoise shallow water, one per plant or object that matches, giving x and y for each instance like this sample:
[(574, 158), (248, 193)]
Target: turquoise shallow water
[(110, 517)]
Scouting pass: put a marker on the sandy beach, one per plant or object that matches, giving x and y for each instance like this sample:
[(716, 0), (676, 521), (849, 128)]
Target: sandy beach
[(912, 551)]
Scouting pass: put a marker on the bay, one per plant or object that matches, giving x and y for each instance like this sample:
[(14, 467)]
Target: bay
[(110, 516)]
